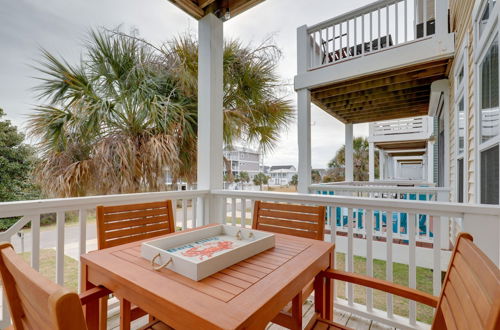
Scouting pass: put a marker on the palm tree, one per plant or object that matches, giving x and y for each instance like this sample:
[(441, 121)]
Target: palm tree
[(336, 167), (260, 179), (118, 120)]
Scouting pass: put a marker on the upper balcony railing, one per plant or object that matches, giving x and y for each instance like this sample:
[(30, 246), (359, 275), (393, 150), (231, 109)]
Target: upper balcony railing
[(403, 128), (376, 27)]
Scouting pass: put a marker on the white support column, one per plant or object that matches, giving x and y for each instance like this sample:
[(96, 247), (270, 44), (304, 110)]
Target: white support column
[(430, 161), (349, 161), (371, 161), (210, 120), (381, 165), (304, 139), (303, 114)]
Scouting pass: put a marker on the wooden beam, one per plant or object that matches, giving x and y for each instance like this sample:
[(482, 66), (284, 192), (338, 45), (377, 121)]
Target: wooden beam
[(189, 7), (204, 3), (238, 6), (403, 88), (441, 65), (367, 109), (410, 95), (386, 116), (435, 73), (407, 111)]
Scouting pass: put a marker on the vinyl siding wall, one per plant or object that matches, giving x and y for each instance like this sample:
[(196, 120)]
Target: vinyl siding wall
[(461, 24)]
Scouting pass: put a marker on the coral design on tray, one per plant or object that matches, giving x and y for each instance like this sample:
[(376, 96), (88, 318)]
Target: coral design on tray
[(208, 249)]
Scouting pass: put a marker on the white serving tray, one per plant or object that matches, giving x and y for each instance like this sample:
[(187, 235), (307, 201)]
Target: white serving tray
[(200, 253)]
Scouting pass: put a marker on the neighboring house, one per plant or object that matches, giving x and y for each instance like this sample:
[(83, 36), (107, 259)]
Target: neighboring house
[(281, 175), (434, 58), (243, 160)]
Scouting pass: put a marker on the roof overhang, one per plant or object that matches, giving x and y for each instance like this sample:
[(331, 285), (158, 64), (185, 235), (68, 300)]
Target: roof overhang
[(199, 8)]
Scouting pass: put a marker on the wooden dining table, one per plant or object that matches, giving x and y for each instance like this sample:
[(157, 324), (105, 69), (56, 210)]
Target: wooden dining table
[(247, 295)]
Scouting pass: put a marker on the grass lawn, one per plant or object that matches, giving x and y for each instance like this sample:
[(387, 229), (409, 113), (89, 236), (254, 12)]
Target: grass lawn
[(48, 267), (400, 276)]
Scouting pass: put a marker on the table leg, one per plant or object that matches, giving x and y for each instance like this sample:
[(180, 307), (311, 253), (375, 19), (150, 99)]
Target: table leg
[(297, 311), (91, 309), (125, 314), (319, 295), (329, 287)]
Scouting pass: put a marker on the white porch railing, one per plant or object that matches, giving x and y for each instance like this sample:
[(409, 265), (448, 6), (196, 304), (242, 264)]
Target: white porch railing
[(401, 127), (376, 27), (362, 234)]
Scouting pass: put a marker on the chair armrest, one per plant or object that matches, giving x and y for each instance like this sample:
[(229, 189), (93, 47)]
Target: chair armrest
[(93, 294), (389, 287)]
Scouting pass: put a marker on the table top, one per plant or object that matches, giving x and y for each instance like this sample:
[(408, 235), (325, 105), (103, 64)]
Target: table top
[(247, 294)]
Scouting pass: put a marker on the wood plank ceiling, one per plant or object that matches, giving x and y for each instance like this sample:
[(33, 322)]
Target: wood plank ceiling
[(381, 96), (413, 148), (199, 8)]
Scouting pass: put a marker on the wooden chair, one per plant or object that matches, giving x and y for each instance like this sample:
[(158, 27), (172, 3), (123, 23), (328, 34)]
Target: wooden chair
[(35, 302), (470, 298), (123, 224), (291, 219)]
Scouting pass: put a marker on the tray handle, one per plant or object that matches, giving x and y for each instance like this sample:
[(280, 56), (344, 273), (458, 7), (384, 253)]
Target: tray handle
[(160, 267)]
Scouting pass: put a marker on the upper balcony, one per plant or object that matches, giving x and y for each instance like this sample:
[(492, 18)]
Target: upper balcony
[(404, 129), (376, 62)]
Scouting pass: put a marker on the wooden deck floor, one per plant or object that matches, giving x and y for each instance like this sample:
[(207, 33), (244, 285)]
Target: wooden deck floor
[(346, 319)]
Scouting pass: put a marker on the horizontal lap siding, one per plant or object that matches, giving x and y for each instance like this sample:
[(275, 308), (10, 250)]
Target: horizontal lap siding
[(461, 24)]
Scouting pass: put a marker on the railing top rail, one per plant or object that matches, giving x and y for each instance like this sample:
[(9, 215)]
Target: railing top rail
[(30, 207), (351, 14), (379, 188), (393, 205), (378, 183)]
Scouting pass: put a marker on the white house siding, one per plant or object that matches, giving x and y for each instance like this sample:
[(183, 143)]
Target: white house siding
[(461, 24)]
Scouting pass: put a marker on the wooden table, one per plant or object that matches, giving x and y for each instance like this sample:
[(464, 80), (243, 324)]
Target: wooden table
[(248, 294)]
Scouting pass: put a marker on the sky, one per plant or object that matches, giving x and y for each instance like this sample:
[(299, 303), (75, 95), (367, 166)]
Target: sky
[(61, 26)]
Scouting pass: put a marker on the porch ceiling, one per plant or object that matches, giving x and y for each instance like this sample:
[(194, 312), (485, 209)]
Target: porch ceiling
[(416, 148), (385, 95), (199, 8)]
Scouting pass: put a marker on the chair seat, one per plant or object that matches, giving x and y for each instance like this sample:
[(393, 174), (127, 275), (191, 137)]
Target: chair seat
[(156, 325)]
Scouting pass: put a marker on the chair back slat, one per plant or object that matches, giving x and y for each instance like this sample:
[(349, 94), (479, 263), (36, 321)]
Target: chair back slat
[(34, 301), (470, 298), (122, 224), (290, 219)]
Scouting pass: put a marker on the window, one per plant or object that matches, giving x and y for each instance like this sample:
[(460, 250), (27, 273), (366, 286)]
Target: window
[(485, 15), (489, 176), (461, 126), (441, 145), (490, 125)]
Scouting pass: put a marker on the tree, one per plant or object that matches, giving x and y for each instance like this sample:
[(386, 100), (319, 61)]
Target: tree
[(315, 176), (16, 163), (336, 167), (260, 179), (244, 177), (128, 111), (295, 180)]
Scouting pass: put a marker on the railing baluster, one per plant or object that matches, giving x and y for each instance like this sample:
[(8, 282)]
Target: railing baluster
[(396, 27), (35, 242), (412, 268), (60, 220), (350, 256), (406, 20), (184, 213), (363, 34), (174, 212), (436, 247), (387, 26), (341, 56), (243, 219), (233, 211), (369, 257), (389, 276), (424, 18), (194, 208), (379, 29)]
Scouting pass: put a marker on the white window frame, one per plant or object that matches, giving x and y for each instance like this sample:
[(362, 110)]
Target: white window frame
[(461, 93), (481, 46)]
